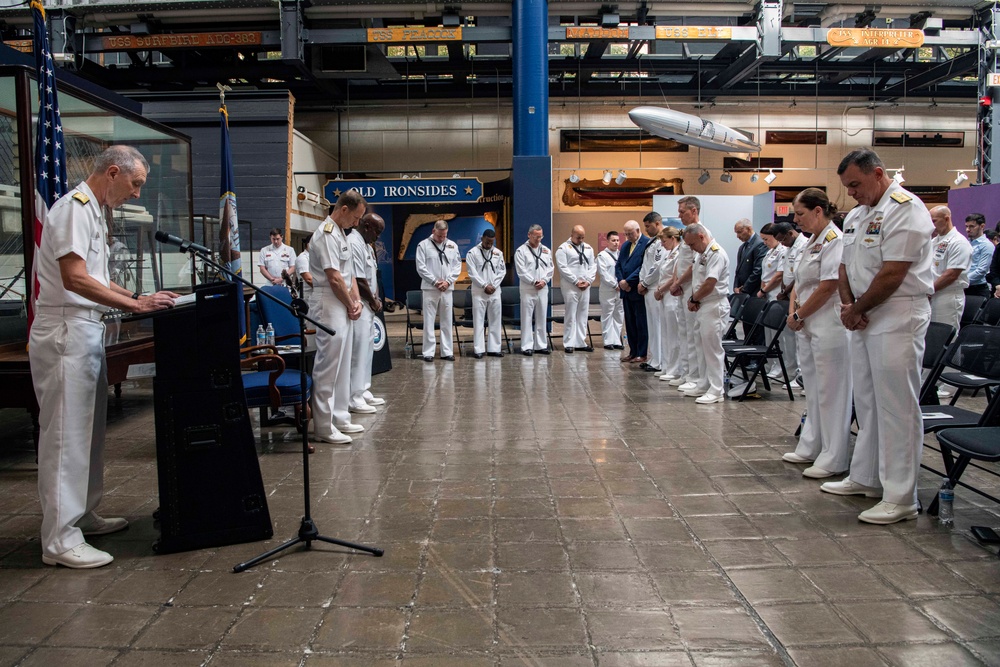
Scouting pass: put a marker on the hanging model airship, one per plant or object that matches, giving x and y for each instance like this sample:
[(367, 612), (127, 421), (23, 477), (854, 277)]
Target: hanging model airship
[(688, 129)]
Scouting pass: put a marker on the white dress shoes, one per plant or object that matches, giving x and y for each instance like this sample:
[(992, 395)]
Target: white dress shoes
[(792, 457), (687, 386), (350, 428), (92, 524), (886, 513), (363, 409), (677, 382), (667, 377), (335, 438), (706, 399), (695, 392), (846, 487), (815, 472), (80, 557), (373, 400)]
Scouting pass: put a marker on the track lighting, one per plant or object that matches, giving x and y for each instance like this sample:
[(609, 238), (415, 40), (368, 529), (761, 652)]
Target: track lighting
[(771, 176), (961, 178), (574, 178), (726, 177), (754, 176), (620, 178), (607, 177), (704, 177), (456, 175), (898, 177)]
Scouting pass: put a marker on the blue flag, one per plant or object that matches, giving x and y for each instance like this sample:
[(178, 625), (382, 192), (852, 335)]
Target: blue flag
[(229, 225)]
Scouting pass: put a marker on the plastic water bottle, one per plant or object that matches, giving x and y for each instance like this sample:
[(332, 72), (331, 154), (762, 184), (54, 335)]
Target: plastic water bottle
[(270, 333), (727, 383), (946, 503), (408, 350), (261, 335)]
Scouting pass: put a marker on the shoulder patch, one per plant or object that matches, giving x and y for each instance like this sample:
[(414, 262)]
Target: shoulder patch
[(82, 198), (714, 247), (545, 250), (900, 197), (328, 228), (830, 235)]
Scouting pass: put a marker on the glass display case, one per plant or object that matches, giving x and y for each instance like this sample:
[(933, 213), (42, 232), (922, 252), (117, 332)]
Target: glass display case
[(90, 124)]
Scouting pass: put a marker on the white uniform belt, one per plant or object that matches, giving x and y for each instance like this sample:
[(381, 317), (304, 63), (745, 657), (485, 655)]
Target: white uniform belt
[(72, 311)]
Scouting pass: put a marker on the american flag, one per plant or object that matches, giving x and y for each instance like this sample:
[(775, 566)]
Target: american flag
[(50, 152)]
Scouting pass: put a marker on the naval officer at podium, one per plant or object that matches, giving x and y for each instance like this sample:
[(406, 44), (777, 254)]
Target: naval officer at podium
[(66, 352)]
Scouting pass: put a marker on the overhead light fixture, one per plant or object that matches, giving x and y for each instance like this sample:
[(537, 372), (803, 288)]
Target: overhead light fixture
[(704, 177), (620, 178), (771, 176), (898, 177), (456, 175), (574, 178), (405, 176), (961, 178), (754, 176), (607, 177), (726, 177), (339, 178)]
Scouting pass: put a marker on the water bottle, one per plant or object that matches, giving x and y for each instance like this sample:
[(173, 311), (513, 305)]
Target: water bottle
[(727, 383), (802, 423), (261, 335), (270, 333), (408, 350), (946, 503)]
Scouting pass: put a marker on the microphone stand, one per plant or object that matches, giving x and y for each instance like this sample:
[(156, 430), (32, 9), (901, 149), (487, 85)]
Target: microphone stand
[(308, 532)]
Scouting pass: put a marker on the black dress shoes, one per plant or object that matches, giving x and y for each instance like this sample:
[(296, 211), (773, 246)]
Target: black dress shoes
[(609, 347), (586, 349), (527, 353), (429, 360), (448, 358), (477, 355), (644, 365), (545, 351), (494, 354), (619, 347), (651, 369), (568, 350)]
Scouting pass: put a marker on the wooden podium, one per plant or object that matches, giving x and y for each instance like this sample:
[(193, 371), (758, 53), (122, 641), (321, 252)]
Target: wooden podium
[(211, 491)]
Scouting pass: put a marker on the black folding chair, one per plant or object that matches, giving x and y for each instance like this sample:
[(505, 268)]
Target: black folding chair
[(462, 313), (736, 304), (973, 304), (750, 315), (976, 351), (595, 300), (969, 444), (936, 341), (743, 356), (989, 313), (556, 299), (510, 302)]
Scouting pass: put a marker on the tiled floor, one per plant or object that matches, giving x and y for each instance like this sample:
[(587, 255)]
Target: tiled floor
[(561, 511)]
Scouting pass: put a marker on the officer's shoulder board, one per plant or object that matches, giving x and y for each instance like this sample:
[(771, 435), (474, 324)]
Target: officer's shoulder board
[(900, 197), (82, 198), (328, 228), (714, 247), (830, 235)]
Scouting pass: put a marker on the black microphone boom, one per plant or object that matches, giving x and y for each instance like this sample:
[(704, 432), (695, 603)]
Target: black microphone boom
[(183, 244)]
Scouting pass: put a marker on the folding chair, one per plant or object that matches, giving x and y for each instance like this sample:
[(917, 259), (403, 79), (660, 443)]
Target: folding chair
[(979, 444), (750, 315), (736, 304), (773, 320), (936, 341), (462, 313), (973, 304), (510, 302), (556, 298), (595, 300)]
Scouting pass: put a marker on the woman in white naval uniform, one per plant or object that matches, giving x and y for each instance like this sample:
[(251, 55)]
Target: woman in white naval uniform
[(486, 271), (612, 310), (823, 344), (671, 346)]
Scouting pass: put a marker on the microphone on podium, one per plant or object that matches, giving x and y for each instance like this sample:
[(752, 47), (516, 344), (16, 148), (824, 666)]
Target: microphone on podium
[(183, 244)]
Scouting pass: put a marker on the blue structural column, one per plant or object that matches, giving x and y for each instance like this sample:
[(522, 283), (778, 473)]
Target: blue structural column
[(532, 164)]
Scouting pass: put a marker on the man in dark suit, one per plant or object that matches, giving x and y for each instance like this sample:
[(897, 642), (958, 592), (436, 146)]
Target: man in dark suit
[(627, 274), (749, 259)]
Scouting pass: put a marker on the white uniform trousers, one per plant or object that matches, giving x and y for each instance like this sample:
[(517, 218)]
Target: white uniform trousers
[(332, 368), (486, 307), (362, 349), (669, 336), (612, 316), (789, 355), (438, 304), (534, 304), (577, 312), (654, 323), (885, 361), (824, 355), (711, 322), (692, 343), (69, 372), (947, 306)]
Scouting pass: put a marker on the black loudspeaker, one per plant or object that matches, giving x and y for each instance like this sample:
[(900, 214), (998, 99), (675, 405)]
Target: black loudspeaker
[(211, 491), (381, 357)]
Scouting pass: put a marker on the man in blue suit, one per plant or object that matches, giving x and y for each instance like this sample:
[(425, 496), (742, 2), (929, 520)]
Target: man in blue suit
[(627, 274)]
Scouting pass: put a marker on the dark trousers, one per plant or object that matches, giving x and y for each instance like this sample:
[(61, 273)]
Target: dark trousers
[(982, 290), (635, 327)]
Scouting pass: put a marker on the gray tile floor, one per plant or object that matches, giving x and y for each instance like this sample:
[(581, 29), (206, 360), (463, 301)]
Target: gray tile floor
[(558, 511)]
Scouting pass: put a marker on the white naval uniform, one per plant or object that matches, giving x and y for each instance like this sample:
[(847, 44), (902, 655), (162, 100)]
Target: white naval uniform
[(308, 291), (576, 263), (438, 262), (363, 337), (486, 267), (951, 251), (711, 316), (692, 356), (69, 371), (612, 311), (276, 259), (670, 356), (533, 264), (332, 369), (824, 354), (788, 352), (649, 276), (886, 355)]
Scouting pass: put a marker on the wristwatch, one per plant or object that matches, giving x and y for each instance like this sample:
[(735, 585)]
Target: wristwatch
[(795, 316), (691, 300), (135, 295)]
